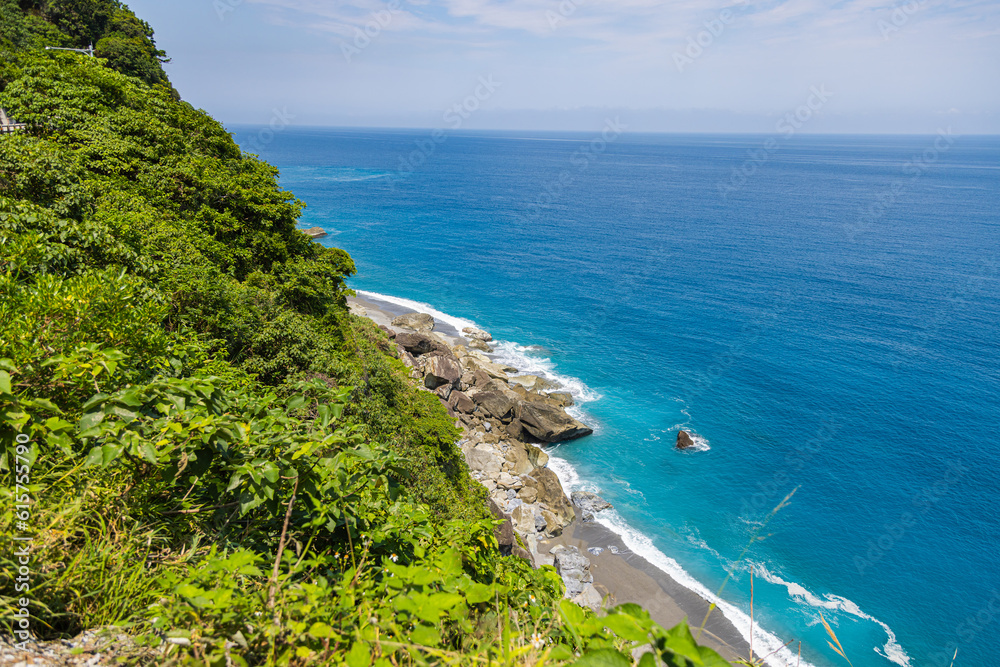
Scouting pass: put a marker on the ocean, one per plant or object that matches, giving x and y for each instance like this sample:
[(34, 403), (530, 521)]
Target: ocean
[(823, 312)]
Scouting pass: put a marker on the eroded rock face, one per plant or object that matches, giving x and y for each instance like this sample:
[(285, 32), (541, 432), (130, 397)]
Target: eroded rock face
[(477, 344), (415, 322), (532, 382), (504, 532), (483, 459), (415, 343), (495, 404), (477, 334), (550, 424), (574, 568), (684, 440), (590, 502), (550, 494), (440, 370), (460, 402)]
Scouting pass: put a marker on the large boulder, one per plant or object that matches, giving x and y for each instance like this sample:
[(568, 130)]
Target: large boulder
[(532, 382), (415, 343), (487, 367), (477, 334), (550, 494), (483, 459), (564, 398), (523, 518), (496, 404), (550, 424), (441, 370), (460, 402), (574, 568), (517, 455), (684, 440), (415, 322), (503, 532), (589, 503), (476, 344)]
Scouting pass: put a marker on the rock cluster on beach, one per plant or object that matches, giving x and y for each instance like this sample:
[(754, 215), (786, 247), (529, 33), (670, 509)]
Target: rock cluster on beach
[(506, 418)]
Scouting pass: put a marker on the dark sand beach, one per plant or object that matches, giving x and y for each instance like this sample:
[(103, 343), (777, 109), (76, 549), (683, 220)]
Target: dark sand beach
[(628, 577), (622, 577)]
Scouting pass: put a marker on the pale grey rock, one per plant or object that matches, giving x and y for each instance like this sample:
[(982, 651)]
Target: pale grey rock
[(415, 322)]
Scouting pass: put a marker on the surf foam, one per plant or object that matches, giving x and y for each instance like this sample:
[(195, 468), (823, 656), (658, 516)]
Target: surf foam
[(892, 650), (764, 642), (520, 357)]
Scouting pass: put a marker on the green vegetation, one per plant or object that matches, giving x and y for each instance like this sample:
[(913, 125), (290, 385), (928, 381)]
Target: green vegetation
[(218, 457)]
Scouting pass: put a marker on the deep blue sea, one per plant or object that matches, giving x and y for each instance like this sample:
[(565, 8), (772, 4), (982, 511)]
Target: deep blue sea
[(822, 311)]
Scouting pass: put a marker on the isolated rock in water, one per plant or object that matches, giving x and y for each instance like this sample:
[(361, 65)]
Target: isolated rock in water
[(550, 424), (684, 440), (477, 334), (440, 370), (415, 321), (590, 502), (477, 344)]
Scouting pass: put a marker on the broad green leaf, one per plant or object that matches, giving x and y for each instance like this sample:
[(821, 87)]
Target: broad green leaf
[(5, 383), (359, 655), (625, 627), (603, 657), (321, 631), (571, 614), (425, 635), (477, 593)]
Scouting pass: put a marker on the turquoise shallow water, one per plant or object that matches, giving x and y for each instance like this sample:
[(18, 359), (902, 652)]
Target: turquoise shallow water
[(823, 315)]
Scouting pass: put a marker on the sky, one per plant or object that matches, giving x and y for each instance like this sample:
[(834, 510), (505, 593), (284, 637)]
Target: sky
[(865, 66)]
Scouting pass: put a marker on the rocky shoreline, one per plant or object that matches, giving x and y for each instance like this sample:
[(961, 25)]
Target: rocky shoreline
[(506, 418), (505, 433)]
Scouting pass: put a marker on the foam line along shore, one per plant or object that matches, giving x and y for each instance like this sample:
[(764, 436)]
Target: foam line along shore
[(514, 408)]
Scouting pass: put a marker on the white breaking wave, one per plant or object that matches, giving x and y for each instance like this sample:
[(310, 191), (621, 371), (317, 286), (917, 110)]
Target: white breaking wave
[(418, 307), (892, 650), (518, 356), (765, 642)]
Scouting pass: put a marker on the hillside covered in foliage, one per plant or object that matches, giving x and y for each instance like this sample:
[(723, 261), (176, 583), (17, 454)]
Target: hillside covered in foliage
[(213, 453)]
